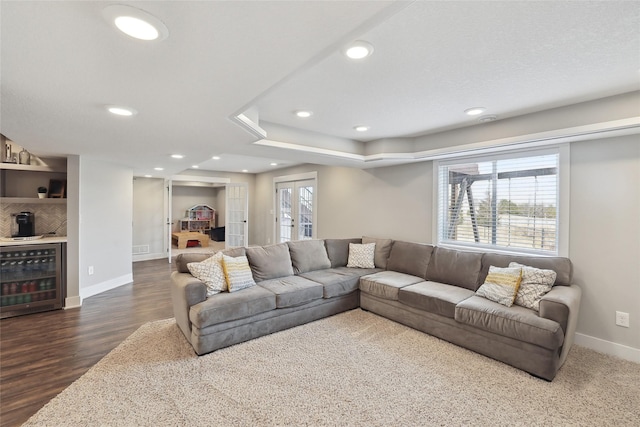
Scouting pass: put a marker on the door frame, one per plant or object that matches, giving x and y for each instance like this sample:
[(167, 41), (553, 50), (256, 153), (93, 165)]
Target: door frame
[(185, 180), (307, 176)]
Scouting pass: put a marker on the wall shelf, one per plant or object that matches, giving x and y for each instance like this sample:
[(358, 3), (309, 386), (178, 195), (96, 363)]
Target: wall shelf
[(33, 168), (33, 200)]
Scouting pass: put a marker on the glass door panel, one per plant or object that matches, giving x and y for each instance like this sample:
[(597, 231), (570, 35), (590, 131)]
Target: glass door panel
[(237, 203)]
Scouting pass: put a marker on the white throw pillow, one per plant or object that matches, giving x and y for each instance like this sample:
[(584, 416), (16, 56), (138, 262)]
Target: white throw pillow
[(210, 272), (501, 285), (535, 283), (361, 255)]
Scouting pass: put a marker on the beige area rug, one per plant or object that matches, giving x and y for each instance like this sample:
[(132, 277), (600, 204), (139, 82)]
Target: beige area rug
[(352, 369)]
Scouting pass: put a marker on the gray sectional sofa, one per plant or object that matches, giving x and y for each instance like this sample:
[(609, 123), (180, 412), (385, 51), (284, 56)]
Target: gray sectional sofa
[(429, 288)]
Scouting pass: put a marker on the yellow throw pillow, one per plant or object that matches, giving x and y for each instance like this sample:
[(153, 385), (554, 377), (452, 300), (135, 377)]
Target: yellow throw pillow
[(237, 273), (501, 285)]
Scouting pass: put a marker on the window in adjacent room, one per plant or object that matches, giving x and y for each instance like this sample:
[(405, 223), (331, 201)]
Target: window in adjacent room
[(509, 202)]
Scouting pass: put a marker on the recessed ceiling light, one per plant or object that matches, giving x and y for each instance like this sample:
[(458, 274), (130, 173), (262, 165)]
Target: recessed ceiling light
[(489, 118), (216, 158), (474, 111), (135, 22), (359, 49), (194, 166), (273, 164), (147, 176), (177, 156), (120, 110), (245, 170), (158, 169), (361, 128), (303, 113)]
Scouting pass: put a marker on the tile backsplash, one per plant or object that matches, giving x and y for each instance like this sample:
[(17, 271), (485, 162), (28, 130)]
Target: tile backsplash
[(48, 217)]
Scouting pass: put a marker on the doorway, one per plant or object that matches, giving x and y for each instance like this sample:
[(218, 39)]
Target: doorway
[(191, 190), (296, 206)]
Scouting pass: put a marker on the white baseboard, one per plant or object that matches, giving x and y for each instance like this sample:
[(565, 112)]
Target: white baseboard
[(105, 286), (608, 347), (72, 302), (149, 257)]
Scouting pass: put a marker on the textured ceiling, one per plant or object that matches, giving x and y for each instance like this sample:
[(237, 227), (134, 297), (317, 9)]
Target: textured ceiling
[(61, 62)]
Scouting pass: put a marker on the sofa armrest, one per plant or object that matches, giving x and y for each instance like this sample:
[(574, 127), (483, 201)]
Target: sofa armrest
[(562, 304), (186, 291)]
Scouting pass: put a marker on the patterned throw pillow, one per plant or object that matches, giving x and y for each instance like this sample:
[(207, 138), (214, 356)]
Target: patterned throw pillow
[(361, 255), (535, 283), (210, 272), (501, 285), (237, 272)]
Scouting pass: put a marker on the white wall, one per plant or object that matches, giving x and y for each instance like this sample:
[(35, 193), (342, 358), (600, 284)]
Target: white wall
[(604, 223), (105, 225), (148, 217), (72, 299), (354, 202), (605, 239)]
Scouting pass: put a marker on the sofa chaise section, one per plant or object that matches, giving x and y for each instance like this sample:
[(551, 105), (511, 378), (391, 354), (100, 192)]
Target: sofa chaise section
[(445, 305)]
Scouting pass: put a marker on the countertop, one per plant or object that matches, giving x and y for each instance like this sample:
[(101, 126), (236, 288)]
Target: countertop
[(44, 240)]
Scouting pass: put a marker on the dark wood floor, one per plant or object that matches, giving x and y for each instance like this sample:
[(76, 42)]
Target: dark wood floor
[(42, 354)]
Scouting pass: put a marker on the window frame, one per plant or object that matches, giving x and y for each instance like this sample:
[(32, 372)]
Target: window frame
[(562, 197)]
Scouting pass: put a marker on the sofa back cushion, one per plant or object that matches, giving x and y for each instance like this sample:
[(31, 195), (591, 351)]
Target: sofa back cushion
[(383, 248), (562, 266), (270, 262), (308, 255), (183, 259), (235, 252), (454, 267), (338, 250), (409, 258)]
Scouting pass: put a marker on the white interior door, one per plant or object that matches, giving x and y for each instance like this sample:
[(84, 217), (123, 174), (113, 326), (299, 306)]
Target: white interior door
[(296, 213), (236, 215)]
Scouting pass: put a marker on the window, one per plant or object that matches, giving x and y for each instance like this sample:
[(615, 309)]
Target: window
[(508, 202)]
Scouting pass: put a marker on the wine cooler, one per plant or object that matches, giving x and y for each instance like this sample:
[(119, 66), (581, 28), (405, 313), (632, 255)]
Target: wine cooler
[(32, 278)]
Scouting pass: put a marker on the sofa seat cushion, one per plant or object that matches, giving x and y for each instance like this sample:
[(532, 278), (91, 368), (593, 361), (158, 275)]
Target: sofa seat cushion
[(291, 291), (224, 307), (515, 322), (386, 284), (434, 297), (334, 283)]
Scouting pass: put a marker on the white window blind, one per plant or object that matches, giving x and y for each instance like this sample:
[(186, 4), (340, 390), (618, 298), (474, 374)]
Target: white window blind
[(507, 203)]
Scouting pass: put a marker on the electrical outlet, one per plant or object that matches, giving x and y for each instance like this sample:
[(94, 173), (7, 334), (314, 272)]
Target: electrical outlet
[(90, 270), (622, 319)]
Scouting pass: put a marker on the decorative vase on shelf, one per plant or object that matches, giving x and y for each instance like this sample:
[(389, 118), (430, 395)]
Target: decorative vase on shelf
[(24, 158)]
